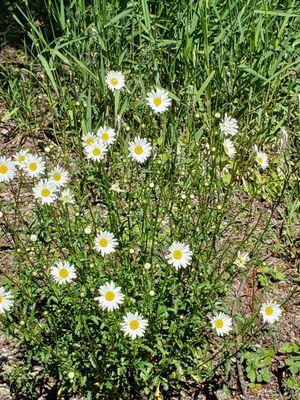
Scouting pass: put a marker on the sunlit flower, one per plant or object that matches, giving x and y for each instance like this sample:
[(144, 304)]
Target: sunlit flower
[(139, 149), (107, 135), (270, 312), (67, 197), (21, 158), (241, 259), (262, 159), (45, 191), (229, 126), (89, 139), (34, 166), (7, 169), (105, 243), (179, 255), (96, 151), (59, 176), (229, 148), (159, 100), (115, 80), (6, 300), (116, 188), (134, 325), (63, 272), (110, 296), (88, 230), (222, 323)]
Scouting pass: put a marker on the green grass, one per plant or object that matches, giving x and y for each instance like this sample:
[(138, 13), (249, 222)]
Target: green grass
[(213, 57)]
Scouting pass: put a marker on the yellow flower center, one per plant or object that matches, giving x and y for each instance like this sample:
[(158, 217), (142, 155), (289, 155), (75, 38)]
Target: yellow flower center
[(1, 299), (269, 310), (57, 176), (33, 166), (90, 140), (138, 150), (45, 192), (177, 254), (219, 324), (63, 273), (96, 152), (157, 101), (239, 260), (109, 296), (226, 149), (105, 136), (21, 159), (134, 324), (103, 242), (114, 81), (3, 169), (260, 159)]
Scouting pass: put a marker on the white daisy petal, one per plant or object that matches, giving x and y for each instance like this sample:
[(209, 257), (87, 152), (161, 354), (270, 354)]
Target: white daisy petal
[(229, 126), (45, 191), (139, 149), (35, 166), (107, 135), (63, 272), (88, 139), (270, 312), (262, 159), (134, 325), (67, 197), (96, 151), (105, 243), (242, 259), (21, 158), (110, 296), (58, 176), (229, 148), (6, 300), (159, 100), (180, 255), (7, 169), (115, 80), (222, 323)]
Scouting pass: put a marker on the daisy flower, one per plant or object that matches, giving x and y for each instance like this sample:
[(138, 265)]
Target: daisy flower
[(107, 135), (241, 259), (159, 100), (229, 148), (88, 139), (105, 243), (6, 300), (179, 255), (67, 197), (134, 325), (96, 151), (222, 323), (270, 312), (21, 158), (229, 126), (63, 272), (115, 80), (262, 159), (45, 191), (34, 165), (140, 149), (58, 176), (110, 296), (7, 169)]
